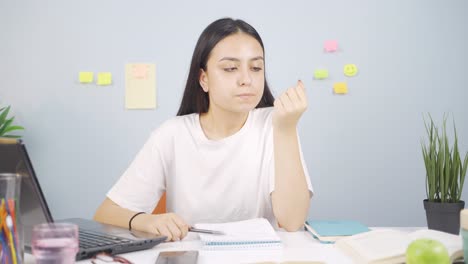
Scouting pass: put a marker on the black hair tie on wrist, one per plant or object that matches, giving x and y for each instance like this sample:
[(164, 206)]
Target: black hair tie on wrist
[(130, 221)]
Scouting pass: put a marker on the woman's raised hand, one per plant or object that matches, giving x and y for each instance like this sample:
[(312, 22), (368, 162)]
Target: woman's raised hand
[(290, 106)]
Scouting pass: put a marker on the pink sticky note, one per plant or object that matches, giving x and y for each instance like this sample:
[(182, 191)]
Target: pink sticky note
[(140, 71), (331, 45)]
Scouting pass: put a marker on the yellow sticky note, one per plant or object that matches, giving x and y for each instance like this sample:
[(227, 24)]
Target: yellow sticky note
[(340, 88), (321, 74), (86, 77), (104, 78), (140, 86), (350, 70)]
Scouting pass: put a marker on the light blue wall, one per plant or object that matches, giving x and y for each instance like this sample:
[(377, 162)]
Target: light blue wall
[(362, 149)]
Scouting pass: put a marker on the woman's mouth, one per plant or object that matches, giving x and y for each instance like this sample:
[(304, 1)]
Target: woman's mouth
[(245, 95)]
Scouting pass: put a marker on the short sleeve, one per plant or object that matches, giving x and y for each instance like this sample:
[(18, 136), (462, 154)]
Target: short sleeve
[(143, 183)]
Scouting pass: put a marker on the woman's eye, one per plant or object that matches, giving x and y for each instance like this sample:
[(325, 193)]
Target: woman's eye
[(230, 69), (256, 69)]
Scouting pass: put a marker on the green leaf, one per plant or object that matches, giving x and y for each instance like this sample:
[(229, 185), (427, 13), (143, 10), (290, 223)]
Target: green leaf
[(6, 125), (12, 128), (3, 115), (463, 174), (445, 171), (12, 136)]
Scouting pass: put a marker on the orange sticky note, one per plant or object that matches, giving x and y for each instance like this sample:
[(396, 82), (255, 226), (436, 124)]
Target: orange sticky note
[(140, 71), (340, 88), (331, 45)]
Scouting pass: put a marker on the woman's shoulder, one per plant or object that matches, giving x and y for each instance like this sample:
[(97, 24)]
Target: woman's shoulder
[(175, 124), (261, 118), (262, 114)]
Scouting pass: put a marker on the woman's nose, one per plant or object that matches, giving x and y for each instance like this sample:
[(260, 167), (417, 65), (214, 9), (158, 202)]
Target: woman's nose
[(245, 78)]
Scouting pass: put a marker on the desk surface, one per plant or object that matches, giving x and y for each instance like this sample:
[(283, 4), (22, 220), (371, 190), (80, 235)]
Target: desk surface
[(297, 246)]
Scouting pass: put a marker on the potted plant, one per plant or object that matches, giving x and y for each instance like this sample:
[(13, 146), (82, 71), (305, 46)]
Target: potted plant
[(6, 124), (445, 175)]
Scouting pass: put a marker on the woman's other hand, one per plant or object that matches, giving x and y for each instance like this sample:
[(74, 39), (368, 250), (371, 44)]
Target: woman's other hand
[(170, 225)]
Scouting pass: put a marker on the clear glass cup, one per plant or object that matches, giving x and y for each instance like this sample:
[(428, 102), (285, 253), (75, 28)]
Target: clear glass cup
[(54, 243), (11, 235)]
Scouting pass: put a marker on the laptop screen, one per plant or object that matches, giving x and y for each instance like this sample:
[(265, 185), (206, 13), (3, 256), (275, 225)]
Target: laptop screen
[(34, 210)]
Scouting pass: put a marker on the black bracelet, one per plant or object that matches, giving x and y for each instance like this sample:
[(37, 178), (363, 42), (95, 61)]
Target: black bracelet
[(130, 221)]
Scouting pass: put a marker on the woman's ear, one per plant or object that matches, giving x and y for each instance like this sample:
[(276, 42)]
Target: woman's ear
[(203, 80)]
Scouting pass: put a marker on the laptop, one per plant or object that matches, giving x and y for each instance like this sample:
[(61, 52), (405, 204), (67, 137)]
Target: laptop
[(94, 237)]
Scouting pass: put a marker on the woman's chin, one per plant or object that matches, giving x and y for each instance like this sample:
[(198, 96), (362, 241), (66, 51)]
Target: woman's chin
[(245, 108)]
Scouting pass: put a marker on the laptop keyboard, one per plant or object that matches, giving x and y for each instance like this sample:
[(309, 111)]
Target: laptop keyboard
[(90, 239)]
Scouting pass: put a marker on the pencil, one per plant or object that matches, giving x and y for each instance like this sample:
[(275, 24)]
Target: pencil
[(206, 231)]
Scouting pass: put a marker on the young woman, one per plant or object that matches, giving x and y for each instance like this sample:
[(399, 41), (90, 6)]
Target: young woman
[(232, 153)]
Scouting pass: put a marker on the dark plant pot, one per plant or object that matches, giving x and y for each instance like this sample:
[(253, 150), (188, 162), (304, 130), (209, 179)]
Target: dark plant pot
[(444, 216)]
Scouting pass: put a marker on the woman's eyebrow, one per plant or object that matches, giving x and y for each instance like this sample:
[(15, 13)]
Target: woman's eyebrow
[(257, 58), (229, 59), (237, 60)]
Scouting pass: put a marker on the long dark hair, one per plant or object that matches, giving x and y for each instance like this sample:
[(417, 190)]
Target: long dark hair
[(195, 100)]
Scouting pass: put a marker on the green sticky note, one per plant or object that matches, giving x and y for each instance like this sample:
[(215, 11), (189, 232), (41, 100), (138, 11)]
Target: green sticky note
[(321, 74), (86, 77), (104, 78)]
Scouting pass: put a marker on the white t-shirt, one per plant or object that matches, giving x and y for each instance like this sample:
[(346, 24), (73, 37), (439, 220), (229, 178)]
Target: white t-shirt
[(205, 180)]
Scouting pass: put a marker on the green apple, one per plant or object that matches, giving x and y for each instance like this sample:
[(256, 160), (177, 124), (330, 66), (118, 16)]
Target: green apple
[(427, 251)]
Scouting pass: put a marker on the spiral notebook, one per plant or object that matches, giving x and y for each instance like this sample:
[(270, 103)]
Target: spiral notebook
[(248, 234)]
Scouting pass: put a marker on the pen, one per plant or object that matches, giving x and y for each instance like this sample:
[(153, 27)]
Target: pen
[(206, 231)]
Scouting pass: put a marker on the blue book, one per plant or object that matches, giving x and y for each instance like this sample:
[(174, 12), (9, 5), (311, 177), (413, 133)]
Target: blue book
[(328, 231)]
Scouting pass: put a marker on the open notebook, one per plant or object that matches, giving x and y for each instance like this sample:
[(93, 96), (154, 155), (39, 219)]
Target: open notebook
[(248, 234)]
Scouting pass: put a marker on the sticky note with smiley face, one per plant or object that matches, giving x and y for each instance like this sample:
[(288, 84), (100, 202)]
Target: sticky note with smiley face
[(340, 88), (350, 70)]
